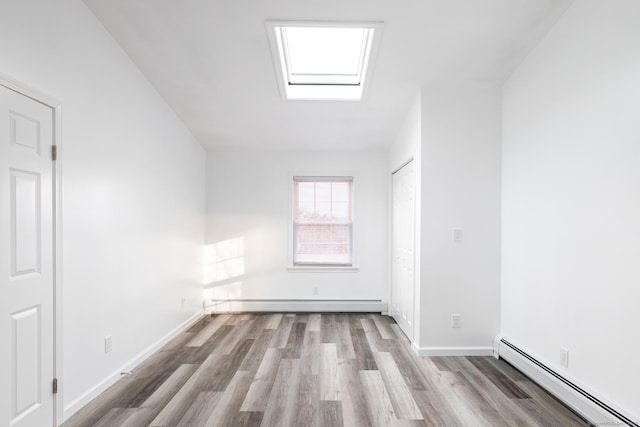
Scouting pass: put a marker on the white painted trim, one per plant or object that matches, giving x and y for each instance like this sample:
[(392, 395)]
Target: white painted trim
[(496, 346), (293, 305), (452, 351), (323, 269), (112, 378), (415, 347), (58, 265), (56, 106), (570, 397), (29, 91)]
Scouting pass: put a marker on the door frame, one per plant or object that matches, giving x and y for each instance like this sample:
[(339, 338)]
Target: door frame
[(391, 234), (56, 106)]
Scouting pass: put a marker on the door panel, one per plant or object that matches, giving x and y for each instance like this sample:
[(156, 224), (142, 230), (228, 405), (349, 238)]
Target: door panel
[(25, 223), (26, 262), (403, 242), (25, 362), (24, 132)]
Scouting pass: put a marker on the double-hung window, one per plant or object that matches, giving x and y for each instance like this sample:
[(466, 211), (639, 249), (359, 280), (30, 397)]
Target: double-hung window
[(322, 221)]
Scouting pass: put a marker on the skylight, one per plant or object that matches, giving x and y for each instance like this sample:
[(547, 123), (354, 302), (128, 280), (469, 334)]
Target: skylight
[(322, 61), (320, 55)]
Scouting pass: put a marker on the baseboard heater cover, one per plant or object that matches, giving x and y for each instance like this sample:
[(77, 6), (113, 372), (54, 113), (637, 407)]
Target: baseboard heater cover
[(583, 402), (295, 305)]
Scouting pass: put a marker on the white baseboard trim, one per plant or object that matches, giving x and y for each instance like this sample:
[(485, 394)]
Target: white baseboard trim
[(415, 348), (594, 408), (95, 391), (295, 305), (452, 351)]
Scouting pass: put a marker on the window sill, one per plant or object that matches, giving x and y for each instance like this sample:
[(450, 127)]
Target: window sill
[(322, 269)]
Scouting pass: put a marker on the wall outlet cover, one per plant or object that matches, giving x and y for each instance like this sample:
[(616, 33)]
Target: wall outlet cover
[(564, 357), (107, 344), (456, 320), (457, 235)]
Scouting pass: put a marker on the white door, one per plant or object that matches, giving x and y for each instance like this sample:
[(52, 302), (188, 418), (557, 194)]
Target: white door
[(26, 262), (402, 247)]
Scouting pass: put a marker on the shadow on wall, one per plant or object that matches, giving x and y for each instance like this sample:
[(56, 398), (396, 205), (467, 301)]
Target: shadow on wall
[(224, 267)]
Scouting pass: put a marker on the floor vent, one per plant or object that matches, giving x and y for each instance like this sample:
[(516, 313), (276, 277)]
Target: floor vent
[(598, 407)]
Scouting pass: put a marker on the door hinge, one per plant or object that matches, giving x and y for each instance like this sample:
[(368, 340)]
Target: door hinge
[(54, 152), (55, 386)]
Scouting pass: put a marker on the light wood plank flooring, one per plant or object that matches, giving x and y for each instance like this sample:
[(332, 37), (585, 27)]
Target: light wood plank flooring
[(316, 370)]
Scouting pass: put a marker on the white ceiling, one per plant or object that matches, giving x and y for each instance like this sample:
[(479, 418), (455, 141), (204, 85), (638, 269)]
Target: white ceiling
[(210, 60)]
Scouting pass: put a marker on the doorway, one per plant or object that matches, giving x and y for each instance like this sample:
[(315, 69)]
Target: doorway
[(27, 259)]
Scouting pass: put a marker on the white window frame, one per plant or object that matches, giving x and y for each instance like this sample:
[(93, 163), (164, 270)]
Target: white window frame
[(319, 268), (324, 92)]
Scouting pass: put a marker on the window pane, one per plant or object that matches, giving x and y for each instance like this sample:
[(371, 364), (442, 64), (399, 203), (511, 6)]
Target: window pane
[(306, 191), (318, 51), (323, 192), (323, 210), (340, 191), (340, 210), (305, 196), (323, 244), (306, 210)]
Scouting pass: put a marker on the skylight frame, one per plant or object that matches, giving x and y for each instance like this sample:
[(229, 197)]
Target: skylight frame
[(331, 88)]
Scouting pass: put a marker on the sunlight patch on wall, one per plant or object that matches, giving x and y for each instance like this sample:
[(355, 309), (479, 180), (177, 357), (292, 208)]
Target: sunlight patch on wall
[(224, 260), (219, 294)]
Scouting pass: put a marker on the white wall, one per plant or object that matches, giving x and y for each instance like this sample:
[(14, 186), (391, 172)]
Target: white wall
[(571, 200), (248, 199), (407, 146), (460, 158), (408, 142), (133, 190)]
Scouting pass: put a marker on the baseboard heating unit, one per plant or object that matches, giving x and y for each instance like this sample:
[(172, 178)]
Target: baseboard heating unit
[(594, 409), (294, 305)]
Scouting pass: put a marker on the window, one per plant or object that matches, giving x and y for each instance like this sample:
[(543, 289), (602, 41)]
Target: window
[(322, 221), (323, 60), (317, 55)]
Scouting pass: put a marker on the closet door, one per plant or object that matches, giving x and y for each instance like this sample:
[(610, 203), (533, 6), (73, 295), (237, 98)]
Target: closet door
[(402, 247)]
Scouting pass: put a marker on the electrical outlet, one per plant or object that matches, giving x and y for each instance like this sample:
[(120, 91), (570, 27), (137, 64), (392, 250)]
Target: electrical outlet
[(107, 344), (184, 301), (456, 321), (564, 357), (457, 235), (315, 290)]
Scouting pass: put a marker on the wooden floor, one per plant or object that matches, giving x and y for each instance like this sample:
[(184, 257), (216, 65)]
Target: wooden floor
[(316, 370)]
